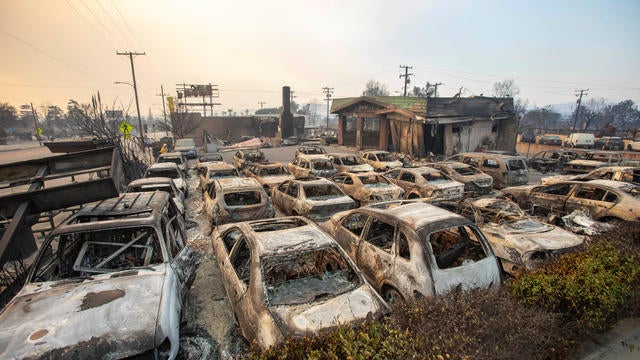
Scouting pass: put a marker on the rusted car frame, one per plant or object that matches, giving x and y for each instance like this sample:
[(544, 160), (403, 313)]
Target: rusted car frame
[(349, 162), (304, 166), (474, 180), (316, 199), (630, 174), (367, 188), (236, 199), (269, 175), (425, 182), (107, 284), (286, 277), (593, 160), (381, 160), (408, 249), (208, 172)]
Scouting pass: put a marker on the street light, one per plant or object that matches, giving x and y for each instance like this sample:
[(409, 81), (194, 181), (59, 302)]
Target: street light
[(137, 109)]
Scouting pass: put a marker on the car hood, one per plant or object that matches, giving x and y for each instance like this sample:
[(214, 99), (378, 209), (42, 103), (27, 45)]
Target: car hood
[(515, 190), (113, 316), (302, 319), (274, 180), (529, 235), (183, 148), (359, 168)]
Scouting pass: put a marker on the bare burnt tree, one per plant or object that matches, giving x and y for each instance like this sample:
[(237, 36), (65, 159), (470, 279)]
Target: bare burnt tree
[(182, 124), (91, 120)]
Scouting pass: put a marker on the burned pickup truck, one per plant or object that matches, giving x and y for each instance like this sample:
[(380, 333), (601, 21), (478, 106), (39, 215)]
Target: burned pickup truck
[(108, 283)]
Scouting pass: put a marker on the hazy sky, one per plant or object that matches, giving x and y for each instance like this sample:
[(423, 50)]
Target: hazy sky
[(56, 50)]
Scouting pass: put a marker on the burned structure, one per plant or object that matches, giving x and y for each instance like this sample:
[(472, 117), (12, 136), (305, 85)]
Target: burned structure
[(418, 125)]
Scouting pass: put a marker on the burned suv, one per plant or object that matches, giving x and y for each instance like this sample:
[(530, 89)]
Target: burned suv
[(107, 283)]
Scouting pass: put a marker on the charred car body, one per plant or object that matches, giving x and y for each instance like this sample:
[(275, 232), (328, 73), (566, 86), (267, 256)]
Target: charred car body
[(170, 170), (552, 160), (593, 160), (311, 150), (244, 157), (520, 241), (474, 180), (286, 277), (630, 174), (236, 199), (214, 157), (367, 188), (211, 171), (381, 160), (505, 170), (605, 200), (425, 182), (409, 249), (174, 157), (162, 184), (269, 175), (349, 162), (316, 199), (304, 166), (108, 283)]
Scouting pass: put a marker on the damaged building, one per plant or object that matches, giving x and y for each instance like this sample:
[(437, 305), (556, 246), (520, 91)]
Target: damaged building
[(418, 125)]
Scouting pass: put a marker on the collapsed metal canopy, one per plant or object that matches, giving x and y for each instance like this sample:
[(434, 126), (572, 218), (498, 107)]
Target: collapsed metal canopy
[(28, 188)]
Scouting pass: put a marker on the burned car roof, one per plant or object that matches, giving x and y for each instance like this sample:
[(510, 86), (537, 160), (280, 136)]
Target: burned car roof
[(415, 214)]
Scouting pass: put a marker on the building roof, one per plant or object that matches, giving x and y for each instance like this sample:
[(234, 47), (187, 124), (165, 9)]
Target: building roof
[(415, 105)]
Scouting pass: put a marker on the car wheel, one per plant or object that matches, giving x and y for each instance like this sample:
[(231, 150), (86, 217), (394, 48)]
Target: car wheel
[(392, 296)]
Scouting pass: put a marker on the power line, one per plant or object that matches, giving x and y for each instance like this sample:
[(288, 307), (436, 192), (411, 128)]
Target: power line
[(114, 24), (49, 55), (91, 25), (406, 77), (135, 90), (99, 21), (327, 92), (126, 24)]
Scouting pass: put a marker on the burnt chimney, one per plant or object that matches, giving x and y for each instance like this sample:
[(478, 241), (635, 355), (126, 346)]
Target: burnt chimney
[(286, 118)]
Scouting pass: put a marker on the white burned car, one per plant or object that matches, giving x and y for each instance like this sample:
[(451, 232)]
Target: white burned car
[(408, 249), (316, 199), (367, 188), (520, 241), (286, 277), (108, 283), (236, 199), (425, 182)]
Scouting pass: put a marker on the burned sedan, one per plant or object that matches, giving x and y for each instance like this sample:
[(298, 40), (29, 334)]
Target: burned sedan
[(474, 180), (170, 170), (269, 174), (236, 199), (367, 188), (316, 199), (425, 182), (408, 249), (108, 283), (349, 162), (286, 277), (162, 184), (605, 200), (304, 166), (630, 174), (520, 241), (211, 171)]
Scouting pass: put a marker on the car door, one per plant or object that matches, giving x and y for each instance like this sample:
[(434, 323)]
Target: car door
[(278, 193), (549, 198), (238, 281), (407, 181), (183, 258), (290, 202), (595, 199), (374, 254), (347, 232)]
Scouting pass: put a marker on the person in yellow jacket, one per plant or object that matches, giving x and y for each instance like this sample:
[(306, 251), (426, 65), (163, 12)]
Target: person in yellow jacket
[(163, 149)]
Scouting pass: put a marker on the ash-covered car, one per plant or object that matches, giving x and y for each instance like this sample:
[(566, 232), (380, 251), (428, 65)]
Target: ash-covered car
[(408, 249), (214, 157), (244, 157), (349, 162), (367, 188), (630, 174), (474, 180), (520, 241), (381, 160), (108, 283), (285, 277), (314, 198), (605, 200), (311, 150), (506, 170), (236, 199), (269, 175), (174, 157), (187, 146), (425, 182), (593, 160), (170, 170), (304, 166), (553, 160), (162, 184), (211, 171)]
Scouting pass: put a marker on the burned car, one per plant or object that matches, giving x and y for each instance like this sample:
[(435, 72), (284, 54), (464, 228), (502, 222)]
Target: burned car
[(316, 199), (236, 199), (506, 170), (630, 174), (286, 277), (304, 166), (211, 171), (108, 283), (269, 175), (381, 160), (170, 170), (520, 241), (175, 157), (310, 150), (244, 157), (409, 249), (474, 180), (367, 188), (162, 184), (349, 162), (605, 200), (214, 157), (552, 160), (593, 160), (425, 182)]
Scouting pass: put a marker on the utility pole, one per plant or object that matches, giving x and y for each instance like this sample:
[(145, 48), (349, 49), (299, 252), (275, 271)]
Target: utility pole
[(406, 76), (164, 111), (35, 122), (575, 119), (291, 97), (327, 93), (435, 91), (261, 104), (135, 91)]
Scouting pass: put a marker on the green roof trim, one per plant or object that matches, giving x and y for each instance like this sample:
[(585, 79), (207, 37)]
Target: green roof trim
[(417, 105)]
